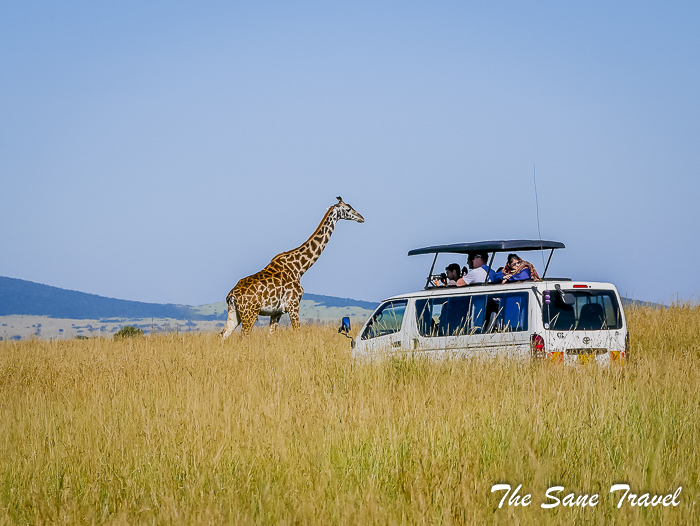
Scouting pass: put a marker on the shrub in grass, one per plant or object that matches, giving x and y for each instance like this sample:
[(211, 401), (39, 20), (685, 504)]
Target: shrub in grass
[(128, 332)]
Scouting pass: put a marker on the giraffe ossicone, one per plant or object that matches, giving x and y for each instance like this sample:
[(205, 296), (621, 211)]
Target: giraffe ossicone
[(276, 289)]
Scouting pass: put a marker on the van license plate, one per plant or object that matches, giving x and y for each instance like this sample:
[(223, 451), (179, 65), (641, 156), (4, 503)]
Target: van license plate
[(586, 358)]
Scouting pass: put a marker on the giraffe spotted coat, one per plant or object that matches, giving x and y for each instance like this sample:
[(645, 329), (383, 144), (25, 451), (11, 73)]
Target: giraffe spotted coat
[(276, 288)]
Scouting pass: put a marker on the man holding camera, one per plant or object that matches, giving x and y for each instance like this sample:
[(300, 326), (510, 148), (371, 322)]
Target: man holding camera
[(479, 270), (451, 277)]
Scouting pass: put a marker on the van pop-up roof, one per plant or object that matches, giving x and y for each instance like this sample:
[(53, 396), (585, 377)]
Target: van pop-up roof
[(489, 247)]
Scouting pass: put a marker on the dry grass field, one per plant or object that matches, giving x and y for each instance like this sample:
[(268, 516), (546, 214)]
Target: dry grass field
[(186, 429)]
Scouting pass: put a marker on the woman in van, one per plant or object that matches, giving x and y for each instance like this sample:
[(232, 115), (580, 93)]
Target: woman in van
[(516, 270)]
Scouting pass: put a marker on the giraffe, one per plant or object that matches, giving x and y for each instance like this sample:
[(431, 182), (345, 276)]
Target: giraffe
[(276, 288)]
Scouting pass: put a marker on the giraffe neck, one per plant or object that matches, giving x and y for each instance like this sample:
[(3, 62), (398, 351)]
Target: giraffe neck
[(301, 258)]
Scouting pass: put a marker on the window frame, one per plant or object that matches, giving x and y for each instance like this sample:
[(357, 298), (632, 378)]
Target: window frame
[(380, 310), (485, 301), (579, 294)]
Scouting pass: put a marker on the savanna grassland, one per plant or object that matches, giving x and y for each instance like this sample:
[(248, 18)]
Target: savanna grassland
[(187, 429)]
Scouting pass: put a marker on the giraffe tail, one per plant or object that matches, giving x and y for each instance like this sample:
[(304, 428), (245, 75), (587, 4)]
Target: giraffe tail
[(233, 320)]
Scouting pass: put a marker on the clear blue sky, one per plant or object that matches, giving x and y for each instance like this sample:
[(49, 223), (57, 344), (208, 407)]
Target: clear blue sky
[(160, 151)]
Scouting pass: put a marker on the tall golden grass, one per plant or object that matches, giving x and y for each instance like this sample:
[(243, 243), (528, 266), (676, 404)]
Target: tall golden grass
[(187, 429)]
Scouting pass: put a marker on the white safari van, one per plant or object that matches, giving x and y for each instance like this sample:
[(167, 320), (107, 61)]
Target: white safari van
[(555, 319)]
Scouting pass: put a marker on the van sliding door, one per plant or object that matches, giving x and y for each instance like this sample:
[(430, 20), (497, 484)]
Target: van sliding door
[(441, 324), (471, 323), (500, 323)]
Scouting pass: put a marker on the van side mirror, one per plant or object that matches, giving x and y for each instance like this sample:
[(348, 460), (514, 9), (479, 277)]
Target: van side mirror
[(344, 329), (567, 299), (344, 325)]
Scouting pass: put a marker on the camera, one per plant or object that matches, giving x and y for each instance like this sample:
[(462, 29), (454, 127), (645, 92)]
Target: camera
[(439, 279)]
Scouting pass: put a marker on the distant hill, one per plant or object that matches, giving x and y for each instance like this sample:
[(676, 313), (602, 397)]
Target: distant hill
[(628, 302), (21, 297)]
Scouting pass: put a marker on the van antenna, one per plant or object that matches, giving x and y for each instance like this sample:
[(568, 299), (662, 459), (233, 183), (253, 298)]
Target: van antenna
[(537, 206)]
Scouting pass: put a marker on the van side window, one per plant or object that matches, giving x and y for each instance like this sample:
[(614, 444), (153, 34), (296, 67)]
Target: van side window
[(428, 315), (386, 320), (475, 314), (507, 312), (478, 314), (445, 316)]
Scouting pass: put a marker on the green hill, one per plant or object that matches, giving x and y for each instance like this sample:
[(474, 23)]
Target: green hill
[(21, 297), (30, 310), (18, 296)]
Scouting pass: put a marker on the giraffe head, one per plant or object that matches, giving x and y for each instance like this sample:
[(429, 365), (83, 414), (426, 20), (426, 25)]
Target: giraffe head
[(345, 211)]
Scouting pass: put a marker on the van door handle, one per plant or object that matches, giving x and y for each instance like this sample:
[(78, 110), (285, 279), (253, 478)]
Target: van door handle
[(396, 344)]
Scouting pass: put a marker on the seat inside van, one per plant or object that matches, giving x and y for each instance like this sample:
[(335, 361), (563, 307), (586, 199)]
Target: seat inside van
[(591, 318), (565, 319), (454, 316)]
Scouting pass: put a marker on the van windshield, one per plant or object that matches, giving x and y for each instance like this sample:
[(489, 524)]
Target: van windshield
[(593, 310), (386, 320)]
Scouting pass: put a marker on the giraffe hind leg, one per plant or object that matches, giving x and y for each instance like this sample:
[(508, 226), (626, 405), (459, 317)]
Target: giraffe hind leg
[(274, 321), (248, 316), (233, 320), (247, 327)]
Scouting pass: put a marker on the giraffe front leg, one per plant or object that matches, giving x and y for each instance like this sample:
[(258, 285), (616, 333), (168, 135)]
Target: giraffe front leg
[(293, 300), (293, 310)]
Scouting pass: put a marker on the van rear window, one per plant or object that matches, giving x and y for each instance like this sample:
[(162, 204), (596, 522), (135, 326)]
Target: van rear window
[(592, 310), (473, 314)]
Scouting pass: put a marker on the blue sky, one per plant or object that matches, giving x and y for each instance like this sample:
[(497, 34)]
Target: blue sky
[(161, 151)]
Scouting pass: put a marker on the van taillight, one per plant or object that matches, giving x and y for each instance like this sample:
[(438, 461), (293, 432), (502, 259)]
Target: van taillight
[(537, 345), (621, 356)]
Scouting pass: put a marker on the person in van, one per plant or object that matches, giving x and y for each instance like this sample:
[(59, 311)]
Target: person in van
[(516, 270), (479, 269), (452, 277)]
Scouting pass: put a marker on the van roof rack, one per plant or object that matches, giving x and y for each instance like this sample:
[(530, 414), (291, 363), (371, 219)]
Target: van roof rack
[(492, 247), (489, 246)]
